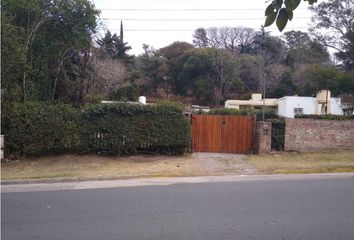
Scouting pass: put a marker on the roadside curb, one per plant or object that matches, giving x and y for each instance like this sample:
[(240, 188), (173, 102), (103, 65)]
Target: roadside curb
[(67, 180), (142, 177)]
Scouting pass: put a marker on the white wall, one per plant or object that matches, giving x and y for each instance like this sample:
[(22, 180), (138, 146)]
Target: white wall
[(336, 106), (286, 105)]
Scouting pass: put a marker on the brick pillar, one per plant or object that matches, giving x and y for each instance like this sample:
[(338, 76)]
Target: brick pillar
[(264, 137)]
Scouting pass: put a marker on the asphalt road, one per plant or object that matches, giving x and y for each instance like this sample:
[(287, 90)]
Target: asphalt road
[(258, 209)]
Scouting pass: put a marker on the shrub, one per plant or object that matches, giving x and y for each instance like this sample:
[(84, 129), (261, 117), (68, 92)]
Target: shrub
[(39, 128), (326, 117), (122, 128), (268, 113), (229, 111)]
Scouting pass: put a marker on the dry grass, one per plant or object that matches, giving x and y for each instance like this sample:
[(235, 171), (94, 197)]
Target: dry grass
[(315, 162), (103, 167), (197, 164)]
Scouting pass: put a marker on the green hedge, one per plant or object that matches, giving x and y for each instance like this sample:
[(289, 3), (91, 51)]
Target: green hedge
[(268, 113), (125, 128), (326, 117), (36, 129)]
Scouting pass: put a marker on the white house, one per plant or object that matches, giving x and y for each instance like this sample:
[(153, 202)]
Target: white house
[(289, 106), (256, 102)]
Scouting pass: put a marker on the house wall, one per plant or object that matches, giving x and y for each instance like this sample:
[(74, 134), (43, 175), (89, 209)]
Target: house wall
[(336, 106), (286, 105), (315, 135)]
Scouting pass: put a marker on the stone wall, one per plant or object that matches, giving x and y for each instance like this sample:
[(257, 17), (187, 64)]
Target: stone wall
[(315, 135), (263, 137)]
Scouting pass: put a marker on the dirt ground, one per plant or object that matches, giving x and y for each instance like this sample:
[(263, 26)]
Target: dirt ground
[(86, 167), (108, 167)]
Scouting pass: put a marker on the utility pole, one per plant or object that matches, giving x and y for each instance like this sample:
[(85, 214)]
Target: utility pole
[(264, 73)]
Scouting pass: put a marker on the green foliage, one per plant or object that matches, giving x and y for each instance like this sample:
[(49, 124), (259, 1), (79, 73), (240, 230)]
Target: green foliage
[(36, 39), (327, 117), (278, 134), (114, 47), (268, 113), (281, 11), (230, 111), (126, 128), (322, 77), (38, 128), (129, 92)]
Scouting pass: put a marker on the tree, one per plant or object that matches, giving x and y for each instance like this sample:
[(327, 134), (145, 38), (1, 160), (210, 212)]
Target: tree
[(113, 47), (333, 26), (347, 101), (237, 39), (224, 67), (309, 79), (200, 39), (174, 56), (281, 11), (46, 32), (303, 50), (151, 68)]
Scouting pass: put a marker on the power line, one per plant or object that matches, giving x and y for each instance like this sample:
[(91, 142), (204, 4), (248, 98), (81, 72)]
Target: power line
[(180, 30), (185, 19), (184, 9)]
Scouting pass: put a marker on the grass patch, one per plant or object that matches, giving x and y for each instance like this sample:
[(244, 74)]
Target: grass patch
[(314, 162)]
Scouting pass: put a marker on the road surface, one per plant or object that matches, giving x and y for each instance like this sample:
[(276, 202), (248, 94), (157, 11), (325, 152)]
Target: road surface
[(235, 210)]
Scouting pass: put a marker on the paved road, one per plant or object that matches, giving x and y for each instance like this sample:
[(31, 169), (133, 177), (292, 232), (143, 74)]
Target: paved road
[(258, 209)]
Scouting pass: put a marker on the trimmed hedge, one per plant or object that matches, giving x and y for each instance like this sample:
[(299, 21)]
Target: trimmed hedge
[(326, 117), (127, 128), (36, 129), (268, 113)]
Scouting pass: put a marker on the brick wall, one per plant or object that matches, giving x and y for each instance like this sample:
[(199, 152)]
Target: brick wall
[(314, 134), (263, 137)]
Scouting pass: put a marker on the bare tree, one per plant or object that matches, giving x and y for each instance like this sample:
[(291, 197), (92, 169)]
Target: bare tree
[(233, 39), (224, 68), (347, 101), (110, 73)]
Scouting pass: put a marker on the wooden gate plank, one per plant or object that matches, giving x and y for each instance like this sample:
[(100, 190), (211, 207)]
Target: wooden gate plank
[(230, 134)]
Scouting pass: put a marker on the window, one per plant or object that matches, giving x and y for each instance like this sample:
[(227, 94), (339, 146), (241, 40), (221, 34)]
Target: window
[(298, 111)]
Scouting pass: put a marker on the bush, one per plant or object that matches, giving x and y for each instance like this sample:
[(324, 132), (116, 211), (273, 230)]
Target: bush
[(268, 113), (326, 117), (122, 128), (38, 128), (229, 111)]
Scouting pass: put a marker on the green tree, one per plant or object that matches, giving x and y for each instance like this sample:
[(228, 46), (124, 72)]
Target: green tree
[(174, 57), (46, 33), (200, 38), (151, 69), (311, 78), (303, 50), (113, 46), (333, 26)]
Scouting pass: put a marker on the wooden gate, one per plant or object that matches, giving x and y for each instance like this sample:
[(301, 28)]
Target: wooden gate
[(226, 134)]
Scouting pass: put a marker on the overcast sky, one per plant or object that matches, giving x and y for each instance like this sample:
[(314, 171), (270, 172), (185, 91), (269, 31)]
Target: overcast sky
[(158, 23)]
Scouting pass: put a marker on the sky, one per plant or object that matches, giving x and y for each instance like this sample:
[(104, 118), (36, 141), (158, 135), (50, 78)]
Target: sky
[(159, 23)]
